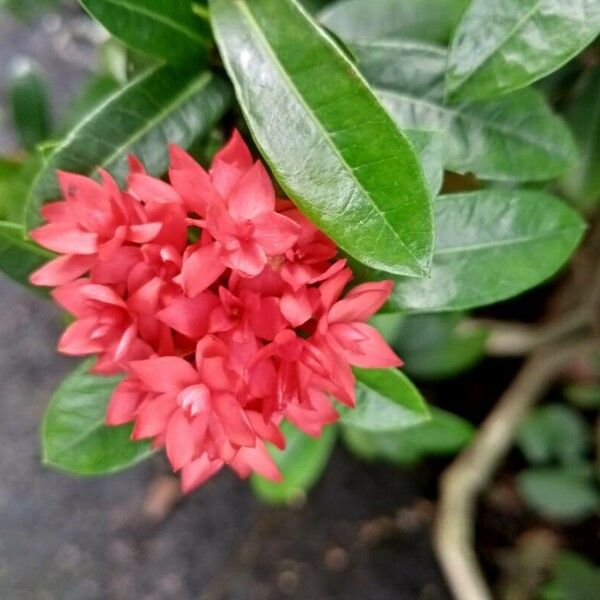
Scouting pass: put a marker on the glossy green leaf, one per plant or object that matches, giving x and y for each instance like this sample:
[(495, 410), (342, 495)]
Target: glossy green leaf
[(505, 45), (438, 346), (330, 144), (444, 434), (93, 93), (29, 102), (490, 245), (514, 138), (575, 578), (301, 464), (429, 146), (385, 400), (561, 493), (19, 257), (170, 30), (165, 105), (582, 183), (429, 20), (74, 436), (553, 432)]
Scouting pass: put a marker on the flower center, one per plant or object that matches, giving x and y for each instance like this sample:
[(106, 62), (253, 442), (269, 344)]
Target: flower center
[(194, 399)]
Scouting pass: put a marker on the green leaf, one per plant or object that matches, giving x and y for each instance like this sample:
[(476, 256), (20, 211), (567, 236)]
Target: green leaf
[(564, 493), (428, 20), (553, 432), (13, 189), (437, 346), (168, 30), (164, 105), (74, 436), (582, 183), (314, 6), (444, 434), (385, 400), (429, 146), (93, 93), (514, 138), (330, 144), (576, 578), (491, 245), (505, 45), (301, 464), (19, 257), (29, 102), (583, 395)]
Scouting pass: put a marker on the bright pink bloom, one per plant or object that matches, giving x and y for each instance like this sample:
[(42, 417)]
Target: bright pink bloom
[(343, 326), (91, 224), (223, 306)]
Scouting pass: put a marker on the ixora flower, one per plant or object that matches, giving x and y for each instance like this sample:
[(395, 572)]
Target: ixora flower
[(222, 306)]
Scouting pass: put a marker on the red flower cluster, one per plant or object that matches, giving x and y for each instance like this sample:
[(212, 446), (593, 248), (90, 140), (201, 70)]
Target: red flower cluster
[(223, 306)]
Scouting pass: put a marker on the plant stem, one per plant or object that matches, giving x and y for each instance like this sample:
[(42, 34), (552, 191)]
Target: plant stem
[(472, 470)]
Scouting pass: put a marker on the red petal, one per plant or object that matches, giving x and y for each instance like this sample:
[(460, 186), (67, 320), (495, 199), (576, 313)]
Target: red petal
[(61, 270), (372, 350), (146, 299), (123, 403), (191, 182), (332, 288), (189, 316), (65, 238), (76, 339), (233, 419), (258, 460), (296, 306), (235, 152), (165, 373), (180, 441), (57, 212), (142, 234), (249, 259), (361, 302), (201, 269), (151, 189), (198, 471), (275, 233), (87, 200), (135, 165), (153, 416), (253, 195)]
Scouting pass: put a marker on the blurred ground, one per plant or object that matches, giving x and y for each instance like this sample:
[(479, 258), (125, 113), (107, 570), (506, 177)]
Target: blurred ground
[(362, 533)]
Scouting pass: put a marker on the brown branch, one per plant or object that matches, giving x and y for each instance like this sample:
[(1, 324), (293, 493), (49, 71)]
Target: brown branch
[(519, 339), (472, 470)]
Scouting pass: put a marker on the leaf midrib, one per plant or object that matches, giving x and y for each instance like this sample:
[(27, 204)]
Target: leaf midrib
[(519, 240), (242, 4), (194, 86), (20, 242), (457, 114), (503, 40), (160, 18)]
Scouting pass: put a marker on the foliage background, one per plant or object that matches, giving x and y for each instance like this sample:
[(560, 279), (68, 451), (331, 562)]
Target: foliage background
[(364, 531)]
